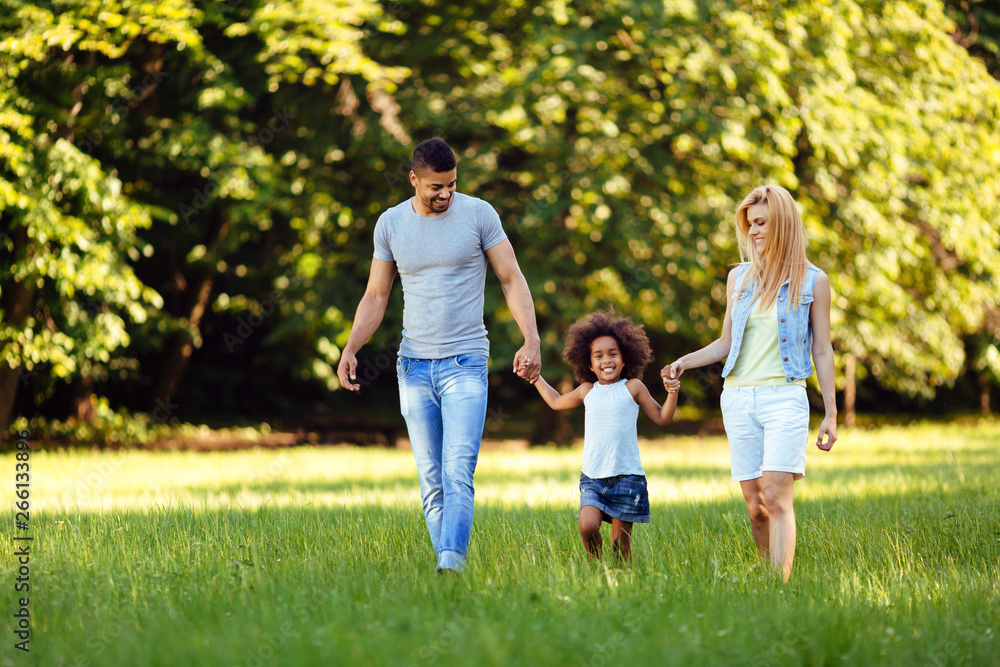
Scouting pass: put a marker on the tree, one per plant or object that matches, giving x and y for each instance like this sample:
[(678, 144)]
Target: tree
[(188, 192), (977, 30), (182, 139), (69, 229), (621, 137)]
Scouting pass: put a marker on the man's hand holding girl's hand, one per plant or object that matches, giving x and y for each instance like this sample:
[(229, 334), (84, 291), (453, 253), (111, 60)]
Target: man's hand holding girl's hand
[(528, 362)]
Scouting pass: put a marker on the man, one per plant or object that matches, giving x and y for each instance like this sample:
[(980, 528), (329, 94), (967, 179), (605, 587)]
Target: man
[(440, 240)]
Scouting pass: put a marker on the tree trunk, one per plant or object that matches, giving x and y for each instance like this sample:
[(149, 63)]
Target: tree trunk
[(9, 380), (553, 426), (850, 389), (81, 407), (180, 347), (82, 388), (984, 393), (181, 344)]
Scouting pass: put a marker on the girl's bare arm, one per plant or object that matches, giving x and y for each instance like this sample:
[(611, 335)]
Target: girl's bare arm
[(558, 401), (661, 415)]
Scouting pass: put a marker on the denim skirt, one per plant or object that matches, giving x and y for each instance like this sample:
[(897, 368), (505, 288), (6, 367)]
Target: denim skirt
[(623, 497)]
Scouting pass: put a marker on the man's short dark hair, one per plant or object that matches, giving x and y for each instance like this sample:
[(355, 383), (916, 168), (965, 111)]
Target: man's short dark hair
[(433, 155)]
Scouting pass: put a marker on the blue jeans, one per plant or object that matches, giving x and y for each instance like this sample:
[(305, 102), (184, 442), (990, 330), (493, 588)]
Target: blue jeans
[(444, 404)]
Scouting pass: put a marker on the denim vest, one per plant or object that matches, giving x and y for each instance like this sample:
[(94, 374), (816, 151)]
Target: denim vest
[(794, 328)]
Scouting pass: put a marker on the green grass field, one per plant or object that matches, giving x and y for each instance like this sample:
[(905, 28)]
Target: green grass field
[(319, 556)]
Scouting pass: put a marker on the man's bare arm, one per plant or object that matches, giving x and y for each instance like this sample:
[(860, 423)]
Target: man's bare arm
[(369, 315)]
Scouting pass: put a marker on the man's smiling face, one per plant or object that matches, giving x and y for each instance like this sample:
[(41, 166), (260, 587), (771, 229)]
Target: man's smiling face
[(435, 191)]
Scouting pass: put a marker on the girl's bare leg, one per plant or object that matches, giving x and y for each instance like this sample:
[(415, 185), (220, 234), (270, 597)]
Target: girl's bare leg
[(621, 539), (590, 529)]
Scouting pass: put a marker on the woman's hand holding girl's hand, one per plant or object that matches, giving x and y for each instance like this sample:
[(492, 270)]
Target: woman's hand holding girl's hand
[(672, 386), (672, 371)]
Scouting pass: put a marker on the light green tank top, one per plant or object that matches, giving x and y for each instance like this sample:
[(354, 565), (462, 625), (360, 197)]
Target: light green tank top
[(759, 360)]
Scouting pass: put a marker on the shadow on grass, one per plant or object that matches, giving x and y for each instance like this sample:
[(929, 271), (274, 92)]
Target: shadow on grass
[(976, 469), (946, 526), (409, 482), (310, 585)]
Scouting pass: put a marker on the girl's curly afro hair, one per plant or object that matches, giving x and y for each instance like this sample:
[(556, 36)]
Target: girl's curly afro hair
[(631, 339)]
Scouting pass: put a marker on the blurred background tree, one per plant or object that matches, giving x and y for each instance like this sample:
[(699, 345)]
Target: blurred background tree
[(977, 29), (188, 193)]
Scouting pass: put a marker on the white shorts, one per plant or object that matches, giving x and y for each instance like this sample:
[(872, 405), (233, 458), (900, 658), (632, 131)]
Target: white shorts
[(768, 429)]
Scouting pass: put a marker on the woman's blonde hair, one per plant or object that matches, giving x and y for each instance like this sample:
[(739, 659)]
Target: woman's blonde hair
[(783, 256)]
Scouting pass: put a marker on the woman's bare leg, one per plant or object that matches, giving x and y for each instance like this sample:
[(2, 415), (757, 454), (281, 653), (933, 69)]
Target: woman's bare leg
[(778, 488), (760, 525)]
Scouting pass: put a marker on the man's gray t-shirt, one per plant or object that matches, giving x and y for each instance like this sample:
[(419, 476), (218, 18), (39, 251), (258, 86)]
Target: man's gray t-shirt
[(442, 264)]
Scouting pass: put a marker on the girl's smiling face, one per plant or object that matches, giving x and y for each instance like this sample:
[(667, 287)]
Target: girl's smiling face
[(606, 359)]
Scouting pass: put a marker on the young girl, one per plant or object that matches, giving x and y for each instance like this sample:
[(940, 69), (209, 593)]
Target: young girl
[(608, 355), (777, 313)]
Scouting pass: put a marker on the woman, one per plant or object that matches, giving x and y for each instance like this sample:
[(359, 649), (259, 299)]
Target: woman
[(777, 311)]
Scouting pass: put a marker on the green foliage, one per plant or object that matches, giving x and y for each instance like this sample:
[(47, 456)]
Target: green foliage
[(212, 158), (615, 140), (900, 209), (120, 429), (172, 170), (70, 231)]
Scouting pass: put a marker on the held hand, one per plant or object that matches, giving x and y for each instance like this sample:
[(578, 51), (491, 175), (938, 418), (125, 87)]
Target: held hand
[(347, 371), (829, 427), (528, 362), (672, 386), (672, 371)]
